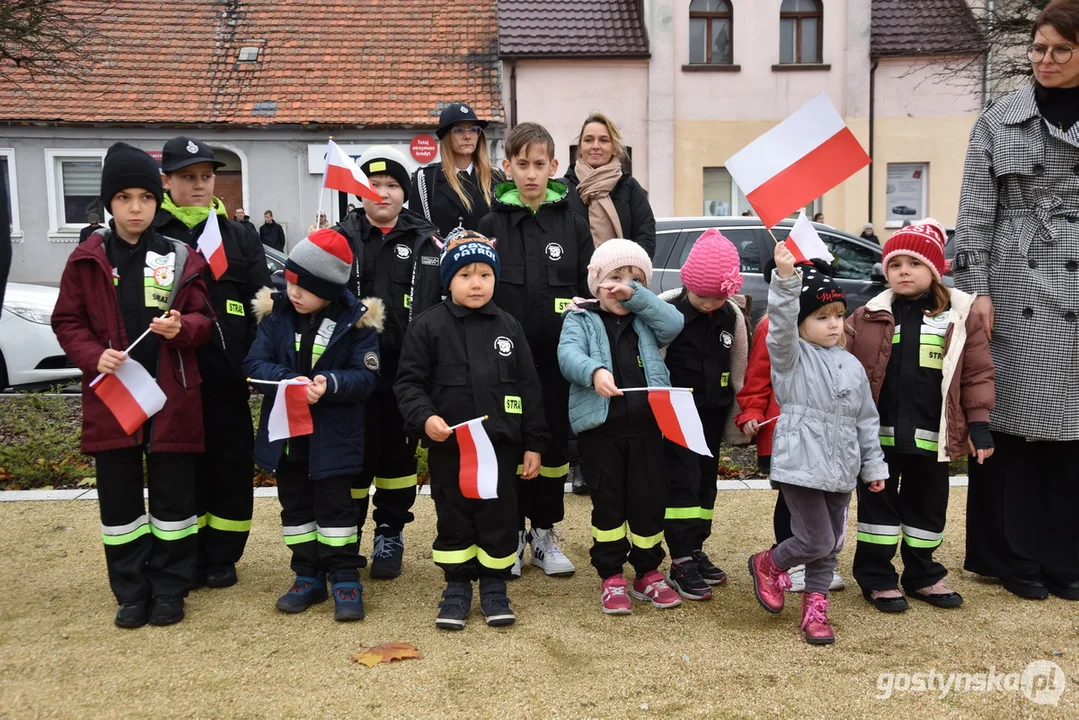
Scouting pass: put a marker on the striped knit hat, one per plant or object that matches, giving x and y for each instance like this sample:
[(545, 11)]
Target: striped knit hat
[(320, 263), (923, 240), (464, 247)]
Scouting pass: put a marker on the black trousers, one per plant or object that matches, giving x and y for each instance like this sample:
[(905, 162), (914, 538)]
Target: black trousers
[(628, 500), (389, 460), (224, 475), (911, 512), (781, 519), (153, 554), (475, 537), (319, 522), (542, 499), (691, 487), (1023, 510)]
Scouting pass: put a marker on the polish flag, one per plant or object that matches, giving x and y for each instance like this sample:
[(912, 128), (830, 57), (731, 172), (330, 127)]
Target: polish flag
[(211, 246), (798, 160), (678, 419), (291, 415), (343, 174), (130, 393), (804, 242), (478, 477)]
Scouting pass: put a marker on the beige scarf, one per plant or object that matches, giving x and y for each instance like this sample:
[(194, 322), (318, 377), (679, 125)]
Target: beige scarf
[(595, 190)]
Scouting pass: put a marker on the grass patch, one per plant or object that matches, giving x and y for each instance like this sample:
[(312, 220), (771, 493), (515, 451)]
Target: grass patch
[(39, 442)]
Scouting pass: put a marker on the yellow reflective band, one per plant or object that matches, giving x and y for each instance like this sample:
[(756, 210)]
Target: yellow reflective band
[(609, 535), (301, 538), (397, 483), (925, 444), (218, 523), (376, 166), (512, 404), (554, 472), (126, 537), (707, 513), (887, 441), (234, 307), (878, 539), (337, 541), (174, 534), (725, 379), (454, 557), (918, 542), (646, 542), (360, 493), (495, 563), (932, 340), (202, 520), (682, 513), (561, 304), (895, 337)]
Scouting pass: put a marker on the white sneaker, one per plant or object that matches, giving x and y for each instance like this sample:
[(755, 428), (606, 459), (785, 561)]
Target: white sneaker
[(515, 571), (838, 583), (547, 556), (798, 578)]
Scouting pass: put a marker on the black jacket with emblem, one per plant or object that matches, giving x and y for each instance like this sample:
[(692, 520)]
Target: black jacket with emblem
[(461, 364), (433, 198), (221, 359), (700, 357), (400, 268), (544, 257)]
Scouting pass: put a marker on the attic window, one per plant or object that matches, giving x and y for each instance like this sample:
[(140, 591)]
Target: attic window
[(249, 54)]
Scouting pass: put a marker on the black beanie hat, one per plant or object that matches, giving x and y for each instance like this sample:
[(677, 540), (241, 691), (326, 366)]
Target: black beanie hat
[(127, 167), (818, 290)]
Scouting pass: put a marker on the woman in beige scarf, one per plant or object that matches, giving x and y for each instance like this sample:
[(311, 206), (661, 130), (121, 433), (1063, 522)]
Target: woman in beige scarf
[(617, 205)]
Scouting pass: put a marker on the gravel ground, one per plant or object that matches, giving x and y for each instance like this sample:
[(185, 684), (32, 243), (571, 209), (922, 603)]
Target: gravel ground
[(236, 657)]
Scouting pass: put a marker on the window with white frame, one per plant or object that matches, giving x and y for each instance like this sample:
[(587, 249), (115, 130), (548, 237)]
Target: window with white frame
[(906, 194), (722, 196), (73, 178), (7, 167)]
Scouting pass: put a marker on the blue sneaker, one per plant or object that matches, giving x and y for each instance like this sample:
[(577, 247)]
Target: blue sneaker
[(305, 592), (347, 601)]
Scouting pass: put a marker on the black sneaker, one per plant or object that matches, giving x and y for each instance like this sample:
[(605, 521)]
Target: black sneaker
[(577, 481), (305, 592), (686, 580), (221, 576), (495, 604), (166, 610), (711, 574), (387, 556), (455, 606), (132, 615)]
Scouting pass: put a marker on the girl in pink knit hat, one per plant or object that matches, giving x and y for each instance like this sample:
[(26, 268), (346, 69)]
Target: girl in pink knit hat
[(709, 355)]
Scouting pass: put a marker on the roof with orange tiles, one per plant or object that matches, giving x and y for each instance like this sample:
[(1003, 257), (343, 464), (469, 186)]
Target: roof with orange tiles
[(902, 28), (369, 63), (571, 28)]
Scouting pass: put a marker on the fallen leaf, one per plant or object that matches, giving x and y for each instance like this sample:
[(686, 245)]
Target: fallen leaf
[(386, 652), (5, 475), (87, 482)]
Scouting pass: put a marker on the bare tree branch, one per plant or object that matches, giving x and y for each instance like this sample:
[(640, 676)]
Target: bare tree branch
[(42, 39)]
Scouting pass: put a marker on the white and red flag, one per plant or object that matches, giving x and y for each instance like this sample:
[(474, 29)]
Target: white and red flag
[(211, 245), (130, 393), (797, 161), (804, 242), (677, 417), (291, 415), (343, 174), (478, 476)]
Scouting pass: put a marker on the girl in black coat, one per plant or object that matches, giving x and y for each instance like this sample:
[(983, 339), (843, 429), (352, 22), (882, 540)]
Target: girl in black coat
[(458, 190)]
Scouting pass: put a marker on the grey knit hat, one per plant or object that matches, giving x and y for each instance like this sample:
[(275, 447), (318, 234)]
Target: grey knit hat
[(320, 263)]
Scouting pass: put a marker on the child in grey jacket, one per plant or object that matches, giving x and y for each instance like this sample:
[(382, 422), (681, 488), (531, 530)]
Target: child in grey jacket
[(826, 435), (608, 344)]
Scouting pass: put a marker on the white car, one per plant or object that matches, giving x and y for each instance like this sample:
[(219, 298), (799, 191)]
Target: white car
[(29, 352)]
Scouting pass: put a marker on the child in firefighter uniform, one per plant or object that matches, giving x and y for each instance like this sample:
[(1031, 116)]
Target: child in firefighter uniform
[(318, 332), (609, 344), (710, 356), (929, 366), (395, 258), (116, 284), (464, 359)]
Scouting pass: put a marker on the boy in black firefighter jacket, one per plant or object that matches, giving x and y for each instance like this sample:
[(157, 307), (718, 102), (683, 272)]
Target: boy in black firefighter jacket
[(466, 359), (544, 248), (225, 470), (396, 260)]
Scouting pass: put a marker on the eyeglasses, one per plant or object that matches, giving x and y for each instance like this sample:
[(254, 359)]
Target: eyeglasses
[(470, 130), (1060, 54)]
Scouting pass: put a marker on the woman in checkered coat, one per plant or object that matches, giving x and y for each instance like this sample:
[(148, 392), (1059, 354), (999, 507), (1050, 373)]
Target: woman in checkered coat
[(1017, 247)]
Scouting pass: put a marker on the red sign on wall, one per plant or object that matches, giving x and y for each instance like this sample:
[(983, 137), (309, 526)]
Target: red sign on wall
[(423, 148)]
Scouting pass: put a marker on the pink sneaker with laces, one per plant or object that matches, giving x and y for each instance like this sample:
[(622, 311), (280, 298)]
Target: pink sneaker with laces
[(653, 587), (769, 582), (815, 626), (614, 597)]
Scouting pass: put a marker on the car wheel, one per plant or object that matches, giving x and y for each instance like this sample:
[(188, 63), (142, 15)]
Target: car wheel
[(3, 373)]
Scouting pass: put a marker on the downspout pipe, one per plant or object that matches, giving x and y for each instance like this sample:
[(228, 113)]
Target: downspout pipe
[(513, 94), (872, 118)]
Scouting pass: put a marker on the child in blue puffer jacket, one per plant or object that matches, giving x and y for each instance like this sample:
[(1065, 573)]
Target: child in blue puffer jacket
[(606, 344)]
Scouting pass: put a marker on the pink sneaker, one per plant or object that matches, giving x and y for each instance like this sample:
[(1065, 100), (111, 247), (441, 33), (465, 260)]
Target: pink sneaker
[(614, 597), (815, 626), (769, 582), (653, 587)]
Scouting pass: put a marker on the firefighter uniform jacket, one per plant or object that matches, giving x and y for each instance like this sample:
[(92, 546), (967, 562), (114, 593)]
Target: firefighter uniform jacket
[(461, 364), (544, 257), (700, 357)]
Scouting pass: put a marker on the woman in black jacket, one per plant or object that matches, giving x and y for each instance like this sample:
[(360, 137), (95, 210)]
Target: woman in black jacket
[(614, 204), (456, 191)]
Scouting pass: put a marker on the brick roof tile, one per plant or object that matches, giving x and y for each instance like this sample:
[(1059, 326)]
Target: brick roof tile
[(569, 28), (927, 27)]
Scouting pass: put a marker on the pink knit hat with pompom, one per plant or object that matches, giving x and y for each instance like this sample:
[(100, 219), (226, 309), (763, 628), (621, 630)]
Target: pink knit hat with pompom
[(712, 269)]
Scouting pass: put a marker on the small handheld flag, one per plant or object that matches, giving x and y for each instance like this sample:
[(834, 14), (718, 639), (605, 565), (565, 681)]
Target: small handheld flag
[(131, 394), (804, 242), (212, 247), (291, 415), (478, 476), (677, 417), (343, 174)]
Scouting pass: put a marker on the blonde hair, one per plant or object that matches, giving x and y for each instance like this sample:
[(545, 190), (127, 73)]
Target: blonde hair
[(612, 130), (480, 161), (833, 308)]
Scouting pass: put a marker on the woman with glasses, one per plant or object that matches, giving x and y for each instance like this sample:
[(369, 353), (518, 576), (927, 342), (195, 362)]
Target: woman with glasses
[(1017, 247), (457, 190)]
